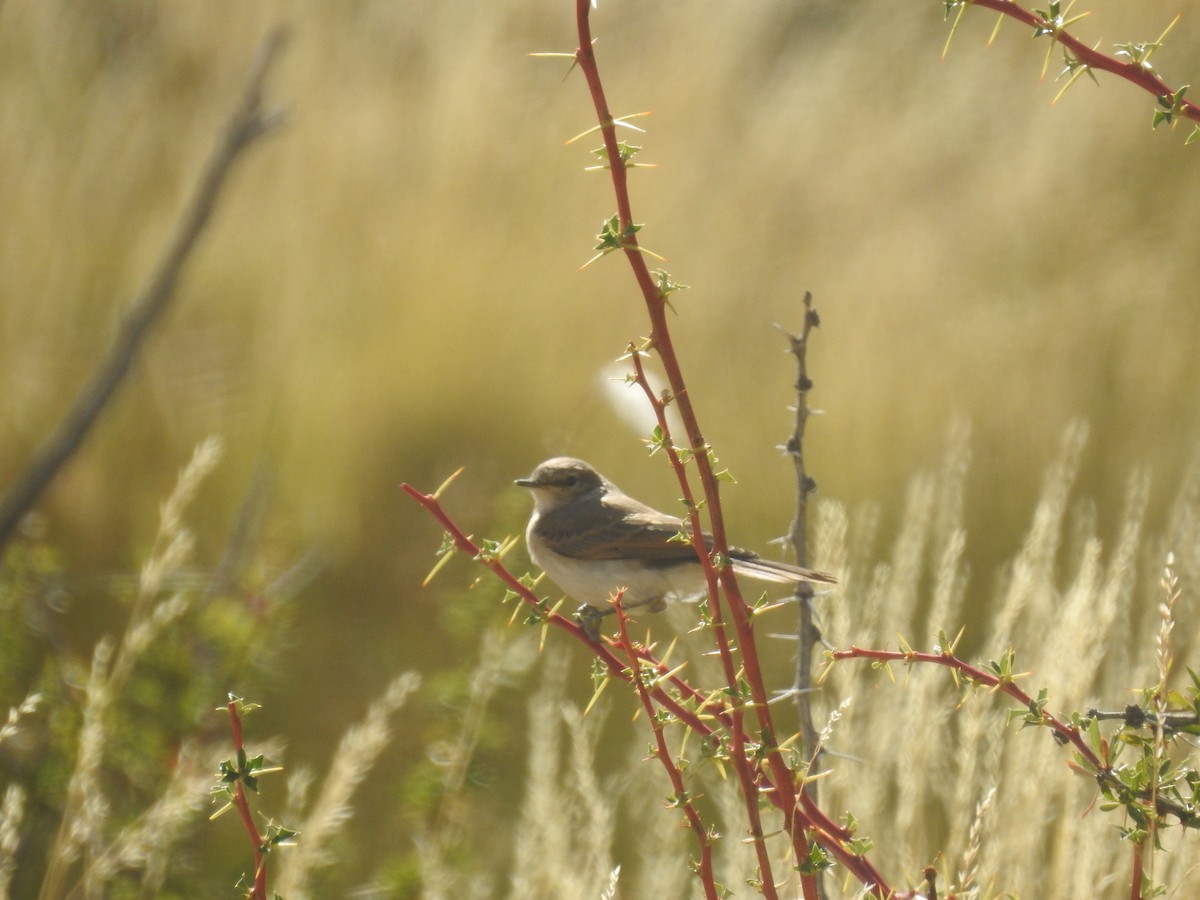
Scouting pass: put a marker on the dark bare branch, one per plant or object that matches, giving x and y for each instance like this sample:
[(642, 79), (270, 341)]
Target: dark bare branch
[(249, 122), (807, 633)]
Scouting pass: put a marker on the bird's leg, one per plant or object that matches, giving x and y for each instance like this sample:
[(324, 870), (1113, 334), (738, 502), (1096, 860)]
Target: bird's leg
[(589, 616)]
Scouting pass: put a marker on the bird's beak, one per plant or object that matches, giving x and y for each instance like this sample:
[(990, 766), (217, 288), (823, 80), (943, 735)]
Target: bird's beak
[(526, 482)]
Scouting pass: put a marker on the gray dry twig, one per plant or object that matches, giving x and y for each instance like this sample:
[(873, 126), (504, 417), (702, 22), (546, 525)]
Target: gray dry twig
[(249, 122)]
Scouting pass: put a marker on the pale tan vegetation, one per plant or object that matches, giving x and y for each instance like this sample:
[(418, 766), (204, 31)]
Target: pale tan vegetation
[(934, 773), (392, 290), (1082, 617)]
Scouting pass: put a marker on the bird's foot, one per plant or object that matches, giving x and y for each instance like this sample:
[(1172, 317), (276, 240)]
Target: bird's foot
[(589, 618)]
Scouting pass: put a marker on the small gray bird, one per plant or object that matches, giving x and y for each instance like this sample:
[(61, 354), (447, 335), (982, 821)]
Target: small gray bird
[(591, 538)]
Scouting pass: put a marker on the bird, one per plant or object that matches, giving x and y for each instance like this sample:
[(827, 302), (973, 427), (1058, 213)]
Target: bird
[(592, 539)]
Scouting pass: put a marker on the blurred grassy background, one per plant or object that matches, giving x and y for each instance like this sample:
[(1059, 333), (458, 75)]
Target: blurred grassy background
[(391, 288)]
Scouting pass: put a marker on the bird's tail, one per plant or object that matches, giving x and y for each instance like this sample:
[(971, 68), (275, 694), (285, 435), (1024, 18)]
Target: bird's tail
[(778, 572)]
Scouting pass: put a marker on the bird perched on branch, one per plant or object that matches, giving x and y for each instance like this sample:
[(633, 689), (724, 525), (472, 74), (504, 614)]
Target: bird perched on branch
[(592, 539)]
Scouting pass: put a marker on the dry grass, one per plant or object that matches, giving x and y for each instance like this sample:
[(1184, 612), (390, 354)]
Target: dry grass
[(392, 291), (933, 774), (12, 812), (1072, 610), (356, 755), (91, 845), (98, 847)]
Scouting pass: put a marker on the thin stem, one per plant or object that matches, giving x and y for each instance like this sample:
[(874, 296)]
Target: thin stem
[(784, 793), (706, 718), (1135, 72), (748, 780), (807, 634), (662, 752), (616, 667), (259, 891), (1066, 733)]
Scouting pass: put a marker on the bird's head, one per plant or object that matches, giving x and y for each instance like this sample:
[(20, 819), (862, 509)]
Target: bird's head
[(561, 480)]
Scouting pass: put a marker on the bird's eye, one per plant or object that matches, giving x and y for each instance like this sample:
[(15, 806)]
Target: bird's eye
[(571, 480)]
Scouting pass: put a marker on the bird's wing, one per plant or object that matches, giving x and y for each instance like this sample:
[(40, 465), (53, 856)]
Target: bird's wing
[(639, 532), (644, 534)]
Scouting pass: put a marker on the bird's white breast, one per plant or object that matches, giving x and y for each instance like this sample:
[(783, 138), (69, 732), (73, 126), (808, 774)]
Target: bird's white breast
[(593, 581)]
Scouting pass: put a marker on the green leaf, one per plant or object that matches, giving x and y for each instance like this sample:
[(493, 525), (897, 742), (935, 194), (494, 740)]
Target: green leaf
[(657, 440), (817, 861)]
